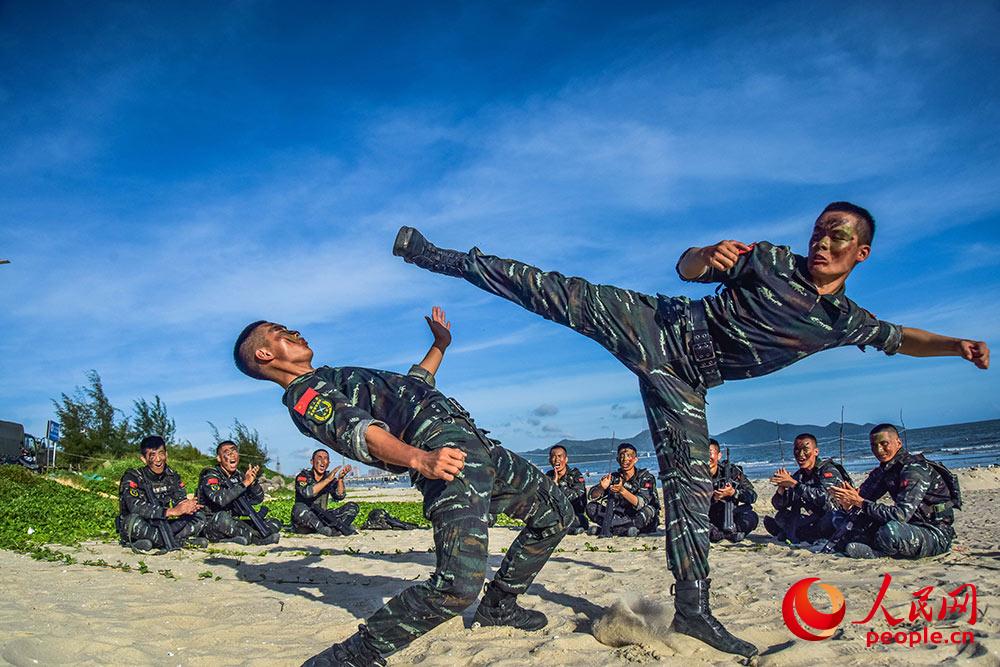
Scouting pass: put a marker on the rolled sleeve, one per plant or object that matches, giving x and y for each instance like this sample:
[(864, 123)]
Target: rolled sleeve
[(357, 442), (421, 373)]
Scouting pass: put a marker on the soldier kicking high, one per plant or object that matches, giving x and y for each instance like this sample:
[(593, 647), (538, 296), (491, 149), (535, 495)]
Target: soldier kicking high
[(776, 308), (399, 423)]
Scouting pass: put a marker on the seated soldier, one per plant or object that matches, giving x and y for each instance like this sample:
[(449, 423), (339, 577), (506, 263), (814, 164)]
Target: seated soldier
[(919, 521), (229, 495), (805, 508), (570, 482), (629, 493), (314, 488), (154, 496), (737, 491), (402, 423)]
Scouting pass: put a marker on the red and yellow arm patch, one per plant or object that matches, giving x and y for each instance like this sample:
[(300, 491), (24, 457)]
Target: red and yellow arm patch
[(303, 403), (212, 480)]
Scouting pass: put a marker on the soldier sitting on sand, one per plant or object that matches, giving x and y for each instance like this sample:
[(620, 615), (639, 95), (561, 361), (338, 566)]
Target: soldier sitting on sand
[(229, 495), (919, 521), (738, 491), (630, 494), (399, 423), (570, 482), (155, 493), (314, 488), (805, 507)]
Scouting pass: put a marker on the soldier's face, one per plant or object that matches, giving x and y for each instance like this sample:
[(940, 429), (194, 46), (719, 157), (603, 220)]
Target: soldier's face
[(626, 459), (321, 462), (287, 344), (228, 458), (156, 460), (713, 455), (557, 459), (835, 246), (805, 453), (885, 445)]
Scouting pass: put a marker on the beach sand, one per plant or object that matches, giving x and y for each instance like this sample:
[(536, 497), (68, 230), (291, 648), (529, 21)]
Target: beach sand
[(279, 605)]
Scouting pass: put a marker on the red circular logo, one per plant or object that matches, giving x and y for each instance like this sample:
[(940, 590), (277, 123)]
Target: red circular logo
[(796, 605)]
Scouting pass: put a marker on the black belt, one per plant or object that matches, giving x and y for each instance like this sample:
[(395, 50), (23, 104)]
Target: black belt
[(701, 348)]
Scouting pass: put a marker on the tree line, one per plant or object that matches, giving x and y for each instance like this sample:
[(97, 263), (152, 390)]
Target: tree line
[(94, 430)]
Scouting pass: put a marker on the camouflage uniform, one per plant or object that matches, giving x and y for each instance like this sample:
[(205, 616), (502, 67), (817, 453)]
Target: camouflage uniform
[(574, 488), (310, 511), (645, 516), (337, 405), (136, 514), (743, 515), (768, 316), (218, 492), (919, 522), (810, 501)]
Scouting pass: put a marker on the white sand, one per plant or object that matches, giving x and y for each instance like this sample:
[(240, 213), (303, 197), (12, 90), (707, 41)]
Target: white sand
[(280, 605)]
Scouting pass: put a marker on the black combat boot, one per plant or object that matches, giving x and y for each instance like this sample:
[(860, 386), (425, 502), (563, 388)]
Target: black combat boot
[(501, 608), (693, 617), (415, 249), (355, 651)]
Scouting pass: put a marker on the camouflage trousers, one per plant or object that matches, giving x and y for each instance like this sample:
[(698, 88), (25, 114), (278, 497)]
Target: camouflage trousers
[(744, 517), (494, 480), (811, 527), (648, 334), (625, 517), (907, 540), (307, 519), (134, 527), (223, 525)]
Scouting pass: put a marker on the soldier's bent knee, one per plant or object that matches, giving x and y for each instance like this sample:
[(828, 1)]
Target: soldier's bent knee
[(887, 537)]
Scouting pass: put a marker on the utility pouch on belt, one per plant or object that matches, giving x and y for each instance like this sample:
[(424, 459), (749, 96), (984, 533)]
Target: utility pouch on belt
[(701, 347)]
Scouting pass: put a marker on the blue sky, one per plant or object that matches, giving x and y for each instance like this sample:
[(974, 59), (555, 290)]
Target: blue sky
[(173, 171)]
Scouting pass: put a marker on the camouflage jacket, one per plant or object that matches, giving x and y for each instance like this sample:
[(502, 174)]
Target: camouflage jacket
[(643, 487), (305, 489), (810, 494), (217, 491), (337, 405), (769, 315), (571, 484), (745, 495), (915, 488), (168, 489)]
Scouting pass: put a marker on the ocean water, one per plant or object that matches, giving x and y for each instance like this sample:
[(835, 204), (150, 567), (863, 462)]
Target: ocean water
[(956, 445)]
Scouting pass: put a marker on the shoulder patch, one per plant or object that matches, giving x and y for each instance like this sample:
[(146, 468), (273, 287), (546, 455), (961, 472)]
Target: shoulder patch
[(132, 484), (134, 492), (319, 410), (301, 478), (647, 485), (749, 249), (307, 396), (828, 474), (182, 483), (212, 480), (580, 478)]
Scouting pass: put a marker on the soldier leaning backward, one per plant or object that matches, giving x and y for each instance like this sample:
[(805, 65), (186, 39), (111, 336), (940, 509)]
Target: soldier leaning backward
[(399, 423), (137, 514), (220, 489), (776, 308)]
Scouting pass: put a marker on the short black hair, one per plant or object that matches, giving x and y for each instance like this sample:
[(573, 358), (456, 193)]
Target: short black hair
[(318, 451), (868, 233), (807, 436), (882, 428), (243, 355), (713, 441), (151, 442), (555, 447), (218, 447), (627, 445)]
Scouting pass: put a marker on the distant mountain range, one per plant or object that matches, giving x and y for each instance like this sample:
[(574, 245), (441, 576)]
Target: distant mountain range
[(753, 432)]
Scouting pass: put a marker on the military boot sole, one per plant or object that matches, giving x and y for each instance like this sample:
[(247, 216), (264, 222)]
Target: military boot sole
[(401, 246)]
